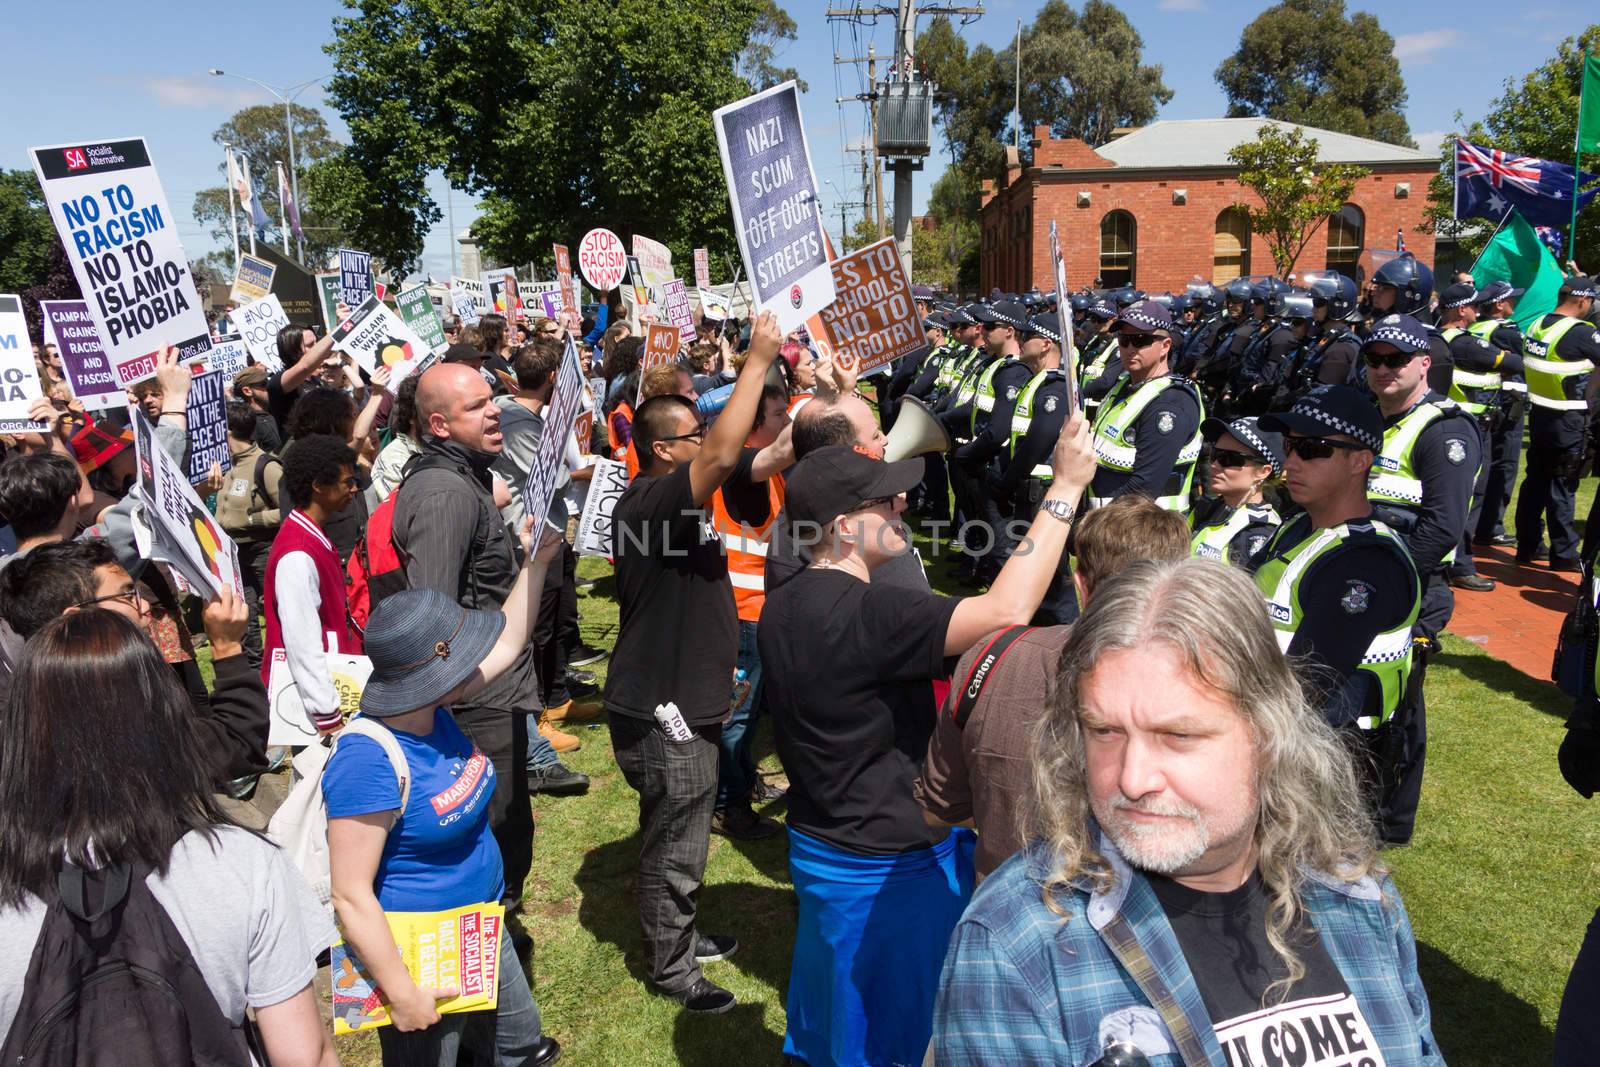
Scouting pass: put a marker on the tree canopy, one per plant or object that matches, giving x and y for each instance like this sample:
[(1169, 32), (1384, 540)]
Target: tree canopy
[(559, 114), (26, 233), (1306, 61), (1297, 192)]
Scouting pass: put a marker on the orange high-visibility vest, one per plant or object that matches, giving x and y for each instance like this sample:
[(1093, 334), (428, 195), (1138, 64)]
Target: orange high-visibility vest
[(746, 547), (619, 451)]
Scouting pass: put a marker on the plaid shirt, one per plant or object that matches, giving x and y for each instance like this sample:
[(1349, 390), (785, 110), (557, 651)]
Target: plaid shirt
[(1022, 986)]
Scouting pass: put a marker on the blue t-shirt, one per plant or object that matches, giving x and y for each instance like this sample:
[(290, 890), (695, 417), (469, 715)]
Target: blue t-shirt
[(440, 853)]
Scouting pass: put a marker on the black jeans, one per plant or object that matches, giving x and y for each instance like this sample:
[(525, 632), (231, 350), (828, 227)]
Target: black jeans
[(502, 736), (548, 651), (1578, 1024), (253, 572), (677, 787)]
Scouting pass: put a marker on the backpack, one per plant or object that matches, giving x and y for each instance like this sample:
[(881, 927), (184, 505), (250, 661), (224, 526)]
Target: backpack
[(376, 569), (111, 983), (233, 514), (300, 826)]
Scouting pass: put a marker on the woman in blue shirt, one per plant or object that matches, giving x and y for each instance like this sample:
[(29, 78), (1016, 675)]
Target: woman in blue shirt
[(438, 853)]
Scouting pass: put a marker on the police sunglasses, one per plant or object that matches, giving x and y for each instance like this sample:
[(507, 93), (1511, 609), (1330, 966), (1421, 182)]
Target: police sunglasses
[(1317, 447), (1139, 340), (1232, 459), (1393, 360)]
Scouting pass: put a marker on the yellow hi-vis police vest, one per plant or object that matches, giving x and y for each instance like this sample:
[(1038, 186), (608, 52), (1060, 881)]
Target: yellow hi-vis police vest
[(1485, 329), (1093, 361), (954, 353), (967, 383), (983, 394), (1022, 419), (1475, 391), (1393, 478), (1115, 420), (1214, 541), (1553, 381), (1388, 657)]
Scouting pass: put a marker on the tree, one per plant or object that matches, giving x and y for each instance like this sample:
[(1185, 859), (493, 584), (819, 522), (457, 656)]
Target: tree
[(1536, 116), (1304, 61), (1297, 192), (560, 114), (26, 233), (942, 253), (772, 26), (261, 134)]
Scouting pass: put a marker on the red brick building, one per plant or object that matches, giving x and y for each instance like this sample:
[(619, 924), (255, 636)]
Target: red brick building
[(1156, 209)]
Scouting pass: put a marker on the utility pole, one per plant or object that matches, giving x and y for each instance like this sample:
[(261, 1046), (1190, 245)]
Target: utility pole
[(871, 100), (1016, 111)]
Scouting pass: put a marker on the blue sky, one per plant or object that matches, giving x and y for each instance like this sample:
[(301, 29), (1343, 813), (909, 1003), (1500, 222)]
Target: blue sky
[(99, 73)]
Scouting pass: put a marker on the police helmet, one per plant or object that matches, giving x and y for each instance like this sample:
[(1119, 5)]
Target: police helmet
[(1412, 281), (1271, 292), (1296, 305), (1205, 296), (1079, 302), (1333, 289), (1126, 296), (1238, 291)]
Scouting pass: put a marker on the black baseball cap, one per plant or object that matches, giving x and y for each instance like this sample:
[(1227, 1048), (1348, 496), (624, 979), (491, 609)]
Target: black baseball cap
[(460, 352), (1005, 313), (838, 479), (1327, 410)]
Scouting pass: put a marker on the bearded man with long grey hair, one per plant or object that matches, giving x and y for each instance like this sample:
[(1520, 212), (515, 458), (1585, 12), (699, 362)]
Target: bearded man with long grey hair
[(1204, 882)]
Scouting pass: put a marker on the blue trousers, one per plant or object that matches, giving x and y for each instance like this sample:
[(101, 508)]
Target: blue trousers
[(736, 767)]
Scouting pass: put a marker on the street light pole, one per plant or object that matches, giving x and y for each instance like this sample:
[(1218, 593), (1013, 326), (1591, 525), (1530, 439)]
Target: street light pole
[(286, 97)]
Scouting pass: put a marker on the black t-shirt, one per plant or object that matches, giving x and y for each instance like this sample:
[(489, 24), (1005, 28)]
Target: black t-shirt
[(847, 668), (678, 638), (747, 500), (279, 403), (1316, 1021)]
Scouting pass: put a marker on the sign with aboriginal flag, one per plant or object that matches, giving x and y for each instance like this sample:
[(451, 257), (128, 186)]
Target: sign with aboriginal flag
[(375, 336)]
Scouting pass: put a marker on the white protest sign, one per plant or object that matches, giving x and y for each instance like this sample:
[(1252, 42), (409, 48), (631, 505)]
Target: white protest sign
[(466, 296), (702, 269), (500, 292), (605, 489), (655, 259), (259, 324), (290, 724), (122, 241), (773, 191), (559, 416), (229, 355), (374, 336), (715, 306), (186, 537), (602, 259), (355, 276), (71, 329), (207, 416), (19, 379)]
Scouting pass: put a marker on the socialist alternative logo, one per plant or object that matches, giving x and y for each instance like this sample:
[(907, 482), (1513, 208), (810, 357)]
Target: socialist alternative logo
[(794, 296), (75, 158)]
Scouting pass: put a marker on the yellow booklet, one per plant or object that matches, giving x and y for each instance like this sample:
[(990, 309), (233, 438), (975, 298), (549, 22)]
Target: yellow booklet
[(459, 948)]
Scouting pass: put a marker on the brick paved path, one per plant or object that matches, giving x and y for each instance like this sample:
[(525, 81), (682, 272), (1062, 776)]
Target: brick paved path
[(1518, 622)]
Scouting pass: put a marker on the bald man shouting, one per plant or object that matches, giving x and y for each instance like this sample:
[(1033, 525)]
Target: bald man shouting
[(453, 539)]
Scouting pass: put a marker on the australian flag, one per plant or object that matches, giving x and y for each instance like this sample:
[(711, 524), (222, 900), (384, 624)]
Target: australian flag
[(1489, 181)]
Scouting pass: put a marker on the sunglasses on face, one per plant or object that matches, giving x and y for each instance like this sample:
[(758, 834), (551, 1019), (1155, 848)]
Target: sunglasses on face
[(1232, 459), (1318, 447), (696, 434), (1138, 340), (1392, 360)]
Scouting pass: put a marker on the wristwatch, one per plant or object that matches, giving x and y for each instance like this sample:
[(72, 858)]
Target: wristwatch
[(1059, 508)]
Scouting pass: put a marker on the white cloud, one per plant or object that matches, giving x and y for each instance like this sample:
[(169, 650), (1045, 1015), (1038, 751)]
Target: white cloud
[(202, 91), (1429, 140), (1182, 5), (1420, 47)]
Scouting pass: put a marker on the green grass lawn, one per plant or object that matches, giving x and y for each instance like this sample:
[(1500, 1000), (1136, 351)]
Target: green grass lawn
[(1499, 882)]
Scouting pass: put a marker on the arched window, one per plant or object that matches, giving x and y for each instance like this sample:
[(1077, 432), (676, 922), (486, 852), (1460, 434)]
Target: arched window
[(1230, 246), (1118, 243), (1346, 238)]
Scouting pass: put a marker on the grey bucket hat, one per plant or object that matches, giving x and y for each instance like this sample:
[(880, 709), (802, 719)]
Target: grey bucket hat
[(422, 645)]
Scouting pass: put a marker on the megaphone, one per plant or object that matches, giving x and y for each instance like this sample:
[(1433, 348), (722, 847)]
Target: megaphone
[(915, 432)]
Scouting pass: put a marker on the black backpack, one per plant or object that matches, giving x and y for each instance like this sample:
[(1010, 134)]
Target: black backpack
[(112, 984)]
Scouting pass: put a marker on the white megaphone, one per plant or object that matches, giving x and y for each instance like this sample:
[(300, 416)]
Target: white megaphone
[(915, 432)]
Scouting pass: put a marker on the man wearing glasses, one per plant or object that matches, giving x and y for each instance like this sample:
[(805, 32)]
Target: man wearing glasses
[(1341, 589), (1147, 432)]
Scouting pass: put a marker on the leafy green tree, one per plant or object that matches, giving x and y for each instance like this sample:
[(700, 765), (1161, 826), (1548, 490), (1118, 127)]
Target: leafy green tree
[(260, 132), (945, 254), (1297, 192), (772, 27), (26, 233), (1534, 116), (1306, 61), (559, 114)]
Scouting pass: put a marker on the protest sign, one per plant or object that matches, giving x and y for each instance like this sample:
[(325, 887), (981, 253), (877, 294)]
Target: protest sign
[(873, 321), (550, 303), (71, 329), (207, 415), (715, 306), (606, 487), (374, 336), (416, 308), (228, 356), (542, 298), (329, 295), (259, 324), (562, 412), (500, 292), (355, 276), (675, 306), (252, 280), (122, 241), (290, 723), (702, 269), (569, 289), (1069, 350), (773, 191), (600, 259), (19, 378), (186, 537), (660, 346), (656, 260), (465, 291), (295, 286)]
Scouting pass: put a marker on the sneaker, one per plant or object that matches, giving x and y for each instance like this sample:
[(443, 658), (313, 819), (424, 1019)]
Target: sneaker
[(579, 676), (557, 780), (741, 823), (586, 654), (707, 997), (561, 742), (1503, 541), (766, 793), (242, 789), (573, 711), (1477, 583), (709, 948)]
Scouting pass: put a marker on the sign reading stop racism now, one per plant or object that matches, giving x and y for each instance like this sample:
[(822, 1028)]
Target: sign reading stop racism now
[(602, 259), (874, 320)]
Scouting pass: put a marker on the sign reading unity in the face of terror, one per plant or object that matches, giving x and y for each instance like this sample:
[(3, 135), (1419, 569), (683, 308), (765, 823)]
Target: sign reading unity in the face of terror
[(355, 276), (259, 324), (207, 415), (252, 280), (774, 196), (374, 336), (19, 380), (873, 321), (184, 534), (565, 403), (70, 328), (122, 241), (416, 308)]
